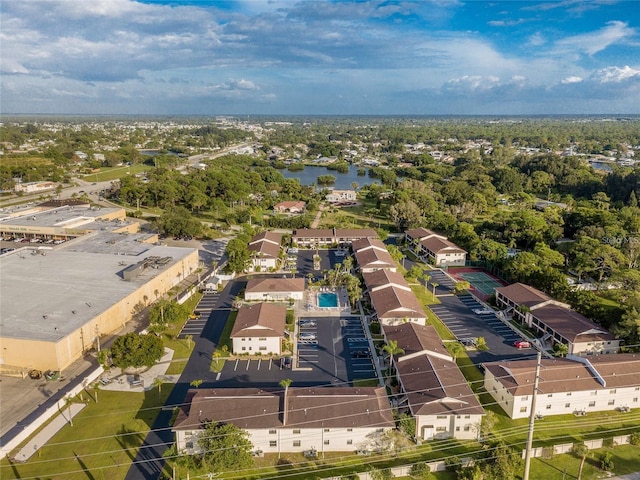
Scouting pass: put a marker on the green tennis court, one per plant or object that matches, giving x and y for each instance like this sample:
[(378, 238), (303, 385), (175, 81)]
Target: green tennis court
[(482, 282)]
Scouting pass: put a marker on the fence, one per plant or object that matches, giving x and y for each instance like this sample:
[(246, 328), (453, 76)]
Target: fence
[(547, 452)]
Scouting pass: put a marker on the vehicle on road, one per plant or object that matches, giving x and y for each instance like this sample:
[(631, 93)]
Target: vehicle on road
[(521, 344)]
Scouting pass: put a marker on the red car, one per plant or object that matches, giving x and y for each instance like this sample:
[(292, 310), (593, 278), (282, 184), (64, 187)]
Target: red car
[(521, 344)]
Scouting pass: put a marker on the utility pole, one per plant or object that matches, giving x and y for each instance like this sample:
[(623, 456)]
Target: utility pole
[(532, 415)]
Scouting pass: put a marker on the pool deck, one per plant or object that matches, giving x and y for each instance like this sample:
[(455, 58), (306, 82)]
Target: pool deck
[(309, 306)]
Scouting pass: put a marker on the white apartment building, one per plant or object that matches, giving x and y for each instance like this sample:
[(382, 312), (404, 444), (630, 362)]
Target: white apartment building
[(569, 385)]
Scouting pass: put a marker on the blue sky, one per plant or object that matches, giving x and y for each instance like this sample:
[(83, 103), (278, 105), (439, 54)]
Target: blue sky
[(320, 57)]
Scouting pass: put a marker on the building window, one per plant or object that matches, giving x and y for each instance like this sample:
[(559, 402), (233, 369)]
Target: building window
[(611, 402), (612, 392), (441, 429), (467, 428), (441, 417), (525, 398), (567, 405), (326, 442), (457, 429), (244, 348), (550, 395), (549, 407), (467, 416), (635, 400), (592, 404), (349, 442), (326, 429), (272, 431), (243, 339), (189, 445), (349, 429), (568, 394), (595, 392), (296, 430), (296, 443), (273, 443), (262, 339), (523, 409), (263, 348)]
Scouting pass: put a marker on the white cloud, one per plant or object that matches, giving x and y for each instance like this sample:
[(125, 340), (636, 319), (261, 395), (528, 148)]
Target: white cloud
[(591, 43), (616, 74), (571, 79)]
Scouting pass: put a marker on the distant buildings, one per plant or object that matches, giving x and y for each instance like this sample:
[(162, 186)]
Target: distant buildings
[(337, 196), (371, 254), (435, 248), (327, 237), (34, 187), (392, 299), (264, 252), (291, 207)]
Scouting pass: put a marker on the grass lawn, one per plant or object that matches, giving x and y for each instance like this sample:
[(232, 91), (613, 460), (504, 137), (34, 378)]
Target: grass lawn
[(626, 459), (102, 443), (114, 173)]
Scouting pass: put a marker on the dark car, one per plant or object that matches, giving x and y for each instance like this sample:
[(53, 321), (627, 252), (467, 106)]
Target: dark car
[(361, 354), (286, 363)]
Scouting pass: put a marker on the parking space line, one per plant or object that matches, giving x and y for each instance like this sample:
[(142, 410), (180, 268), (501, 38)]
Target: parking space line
[(248, 362), (236, 365), (259, 363)]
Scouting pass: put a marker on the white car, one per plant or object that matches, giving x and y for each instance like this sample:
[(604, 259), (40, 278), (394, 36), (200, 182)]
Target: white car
[(307, 336), (482, 311)]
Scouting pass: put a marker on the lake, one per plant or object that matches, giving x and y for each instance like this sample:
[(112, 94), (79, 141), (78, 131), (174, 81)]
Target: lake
[(343, 180)]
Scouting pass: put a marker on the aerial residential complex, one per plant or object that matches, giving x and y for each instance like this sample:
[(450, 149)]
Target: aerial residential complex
[(431, 387)]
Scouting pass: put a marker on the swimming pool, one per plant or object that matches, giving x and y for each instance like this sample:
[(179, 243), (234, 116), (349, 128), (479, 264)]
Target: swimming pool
[(327, 300)]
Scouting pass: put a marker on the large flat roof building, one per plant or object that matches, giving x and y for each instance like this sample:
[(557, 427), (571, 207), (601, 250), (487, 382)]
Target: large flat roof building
[(58, 299)]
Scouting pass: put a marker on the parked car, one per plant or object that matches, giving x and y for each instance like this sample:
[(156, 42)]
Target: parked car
[(521, 344), (292, 251), (308, 323), (482, 311), (286, 363), (361, 354), (195, 314), (307, 336)]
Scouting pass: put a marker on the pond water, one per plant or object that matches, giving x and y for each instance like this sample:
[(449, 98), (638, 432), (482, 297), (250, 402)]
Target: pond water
[(343, 180)]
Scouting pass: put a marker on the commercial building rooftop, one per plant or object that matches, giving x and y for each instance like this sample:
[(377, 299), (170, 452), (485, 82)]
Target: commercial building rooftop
[(48, 293)]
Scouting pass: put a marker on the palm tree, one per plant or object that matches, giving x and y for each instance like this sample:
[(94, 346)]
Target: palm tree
[(455, 349), (196, 383), (392, 348), (189, 338), (434, 285), (560, 350), (581, 450), (67, 403), (157, 382)]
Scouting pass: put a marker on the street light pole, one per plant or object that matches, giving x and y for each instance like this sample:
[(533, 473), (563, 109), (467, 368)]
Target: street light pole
[(532, 413)]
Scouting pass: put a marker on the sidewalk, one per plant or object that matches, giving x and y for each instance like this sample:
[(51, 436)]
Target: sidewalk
[(48, 432)]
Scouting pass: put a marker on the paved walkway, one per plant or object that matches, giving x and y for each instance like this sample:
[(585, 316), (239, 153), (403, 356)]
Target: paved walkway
[(48, 432), (122, 381)]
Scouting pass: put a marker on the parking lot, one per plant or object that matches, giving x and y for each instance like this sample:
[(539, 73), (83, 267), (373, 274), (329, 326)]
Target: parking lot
[(457, 313), (195, 326), (328, 351), (304, 261)]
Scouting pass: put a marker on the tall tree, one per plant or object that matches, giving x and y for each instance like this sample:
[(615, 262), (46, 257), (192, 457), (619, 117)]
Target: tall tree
[(225, 447)]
